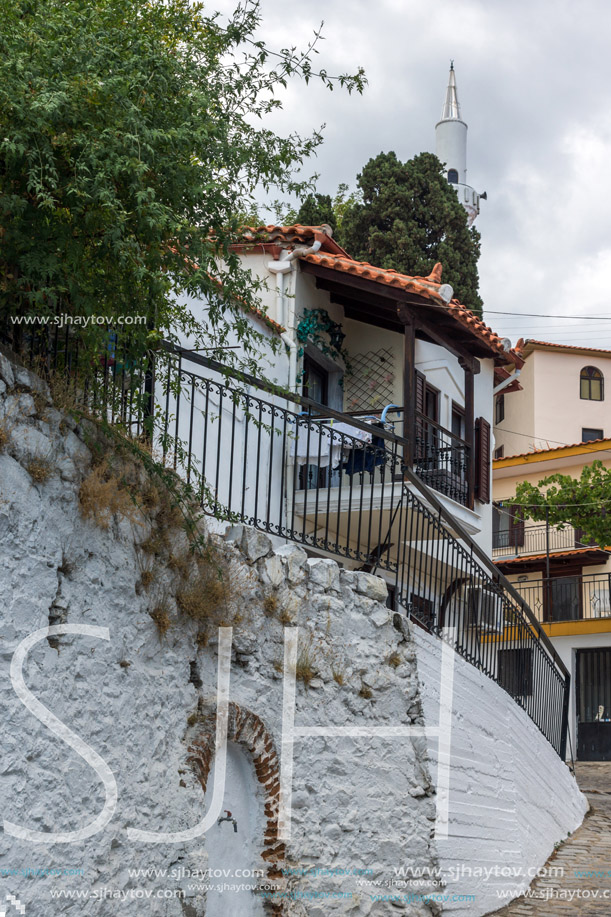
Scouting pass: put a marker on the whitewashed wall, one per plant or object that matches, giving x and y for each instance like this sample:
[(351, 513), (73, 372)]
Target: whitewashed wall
[(511, 797), (360, 804)]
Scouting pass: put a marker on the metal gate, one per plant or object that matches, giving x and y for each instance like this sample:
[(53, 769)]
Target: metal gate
[(594, 704)]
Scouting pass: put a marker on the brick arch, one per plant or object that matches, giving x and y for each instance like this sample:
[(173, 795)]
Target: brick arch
[(245, 728)]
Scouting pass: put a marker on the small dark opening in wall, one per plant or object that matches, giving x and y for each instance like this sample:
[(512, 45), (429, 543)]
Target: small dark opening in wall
[(589, 434), (194, 677)]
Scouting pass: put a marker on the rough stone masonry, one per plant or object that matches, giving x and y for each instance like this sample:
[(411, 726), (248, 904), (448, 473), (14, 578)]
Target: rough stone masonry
[(145, 702)]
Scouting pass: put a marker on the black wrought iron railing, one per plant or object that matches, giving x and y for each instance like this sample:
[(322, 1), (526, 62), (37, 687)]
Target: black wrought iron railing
[(335, 484), (441, 459), (522, 539), (569, 598)]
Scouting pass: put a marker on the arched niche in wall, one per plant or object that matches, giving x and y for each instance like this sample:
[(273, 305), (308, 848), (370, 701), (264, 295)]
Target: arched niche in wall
[(235, 844), (247, 839)]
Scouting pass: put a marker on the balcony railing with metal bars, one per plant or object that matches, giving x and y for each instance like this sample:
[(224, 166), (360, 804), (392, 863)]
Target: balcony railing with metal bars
[(335, 484), (441, 459), (535, 539), (569, 598)]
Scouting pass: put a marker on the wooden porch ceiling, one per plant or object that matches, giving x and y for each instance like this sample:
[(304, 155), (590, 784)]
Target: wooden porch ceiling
[(376, 304)]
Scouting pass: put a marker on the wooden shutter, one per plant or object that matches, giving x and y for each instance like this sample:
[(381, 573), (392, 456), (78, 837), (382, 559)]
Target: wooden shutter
[(516, 531), (482, 460), (419, 406)]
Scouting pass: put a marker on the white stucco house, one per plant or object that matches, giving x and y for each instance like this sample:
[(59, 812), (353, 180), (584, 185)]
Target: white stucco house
[(558, 423)]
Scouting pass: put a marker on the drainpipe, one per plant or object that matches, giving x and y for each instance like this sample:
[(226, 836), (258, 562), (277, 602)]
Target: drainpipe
[(499, 388), (286, 309), (280, 269)]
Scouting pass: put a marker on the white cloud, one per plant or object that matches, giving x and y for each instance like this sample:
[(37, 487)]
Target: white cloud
[(533, 85)]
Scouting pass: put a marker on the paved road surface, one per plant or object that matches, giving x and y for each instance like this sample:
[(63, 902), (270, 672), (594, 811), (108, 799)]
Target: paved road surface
[(589, 849)]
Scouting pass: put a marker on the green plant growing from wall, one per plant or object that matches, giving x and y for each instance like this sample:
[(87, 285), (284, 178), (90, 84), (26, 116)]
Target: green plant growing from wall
[(318, 328)]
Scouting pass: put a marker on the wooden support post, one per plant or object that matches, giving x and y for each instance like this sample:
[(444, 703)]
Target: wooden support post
[(409, 393), (469, 432)]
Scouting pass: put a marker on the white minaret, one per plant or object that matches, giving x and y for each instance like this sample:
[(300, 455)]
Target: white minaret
[(451, 148)]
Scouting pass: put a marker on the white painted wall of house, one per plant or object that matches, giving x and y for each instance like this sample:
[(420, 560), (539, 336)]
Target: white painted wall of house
[(301, 294), (510, 794)]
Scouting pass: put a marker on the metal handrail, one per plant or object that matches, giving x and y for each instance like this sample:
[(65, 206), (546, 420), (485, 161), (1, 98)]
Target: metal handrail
[(499, 634), (317, 411)]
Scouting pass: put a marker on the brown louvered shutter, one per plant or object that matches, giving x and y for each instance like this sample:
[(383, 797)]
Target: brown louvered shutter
[(516, 532), (482, 460), (420, 403)]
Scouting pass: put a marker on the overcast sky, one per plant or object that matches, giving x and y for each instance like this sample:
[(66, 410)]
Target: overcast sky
[(535, 89)]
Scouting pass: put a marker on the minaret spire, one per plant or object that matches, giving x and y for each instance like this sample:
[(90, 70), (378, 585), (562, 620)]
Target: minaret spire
[(451, 148), (451, 107)]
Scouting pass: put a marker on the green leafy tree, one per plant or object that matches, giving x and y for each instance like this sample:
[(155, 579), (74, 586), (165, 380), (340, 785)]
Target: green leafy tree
[(316, 209), (409, 218), (131, 135), (583, 502)]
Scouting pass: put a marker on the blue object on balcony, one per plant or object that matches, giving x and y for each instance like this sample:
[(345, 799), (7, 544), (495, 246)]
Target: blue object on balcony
[(366, 458)]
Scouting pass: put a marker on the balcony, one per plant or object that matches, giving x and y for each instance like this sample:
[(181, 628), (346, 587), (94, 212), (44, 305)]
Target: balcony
[(585, 597), (442, 459), (520, 540)]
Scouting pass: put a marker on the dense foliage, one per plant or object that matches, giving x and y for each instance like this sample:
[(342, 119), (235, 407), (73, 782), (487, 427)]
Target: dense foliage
[(132, 134), (317, 209), (583, 502), (406, 216)]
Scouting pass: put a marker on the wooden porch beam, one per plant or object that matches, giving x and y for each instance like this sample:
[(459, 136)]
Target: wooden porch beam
[(470, 431), (409, 392), (378, 319), (448, 342)]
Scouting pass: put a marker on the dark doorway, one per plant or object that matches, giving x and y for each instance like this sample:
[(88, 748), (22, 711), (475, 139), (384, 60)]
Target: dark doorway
[(563, 598), (594, 704)]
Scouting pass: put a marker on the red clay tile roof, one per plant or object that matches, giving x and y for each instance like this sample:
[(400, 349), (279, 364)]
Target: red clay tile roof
[(523, 343), (293, 235), (274, 326), (589, 442), (555, 555), (427, 287), (333, 256)]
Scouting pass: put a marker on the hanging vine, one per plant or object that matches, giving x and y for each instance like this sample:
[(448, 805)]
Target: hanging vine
[(318, 328)]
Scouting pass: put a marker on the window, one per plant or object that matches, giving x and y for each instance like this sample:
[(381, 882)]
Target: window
[(453, 176), (458, 421), (316, 387), (499, 412), (315, 381), (431, 402), (589, 434), (507, 527), (516, 671), (499, 452), (591, 384)]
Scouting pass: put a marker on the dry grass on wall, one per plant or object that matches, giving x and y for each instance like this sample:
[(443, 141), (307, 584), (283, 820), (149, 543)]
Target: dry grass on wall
[(104, 494), (214, 592), (40, 469)]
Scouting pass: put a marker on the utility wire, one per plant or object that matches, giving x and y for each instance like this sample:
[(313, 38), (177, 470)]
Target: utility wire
[(587, 318)]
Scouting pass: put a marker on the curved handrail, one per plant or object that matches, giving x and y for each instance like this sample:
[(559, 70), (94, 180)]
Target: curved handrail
[(321, 411)]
